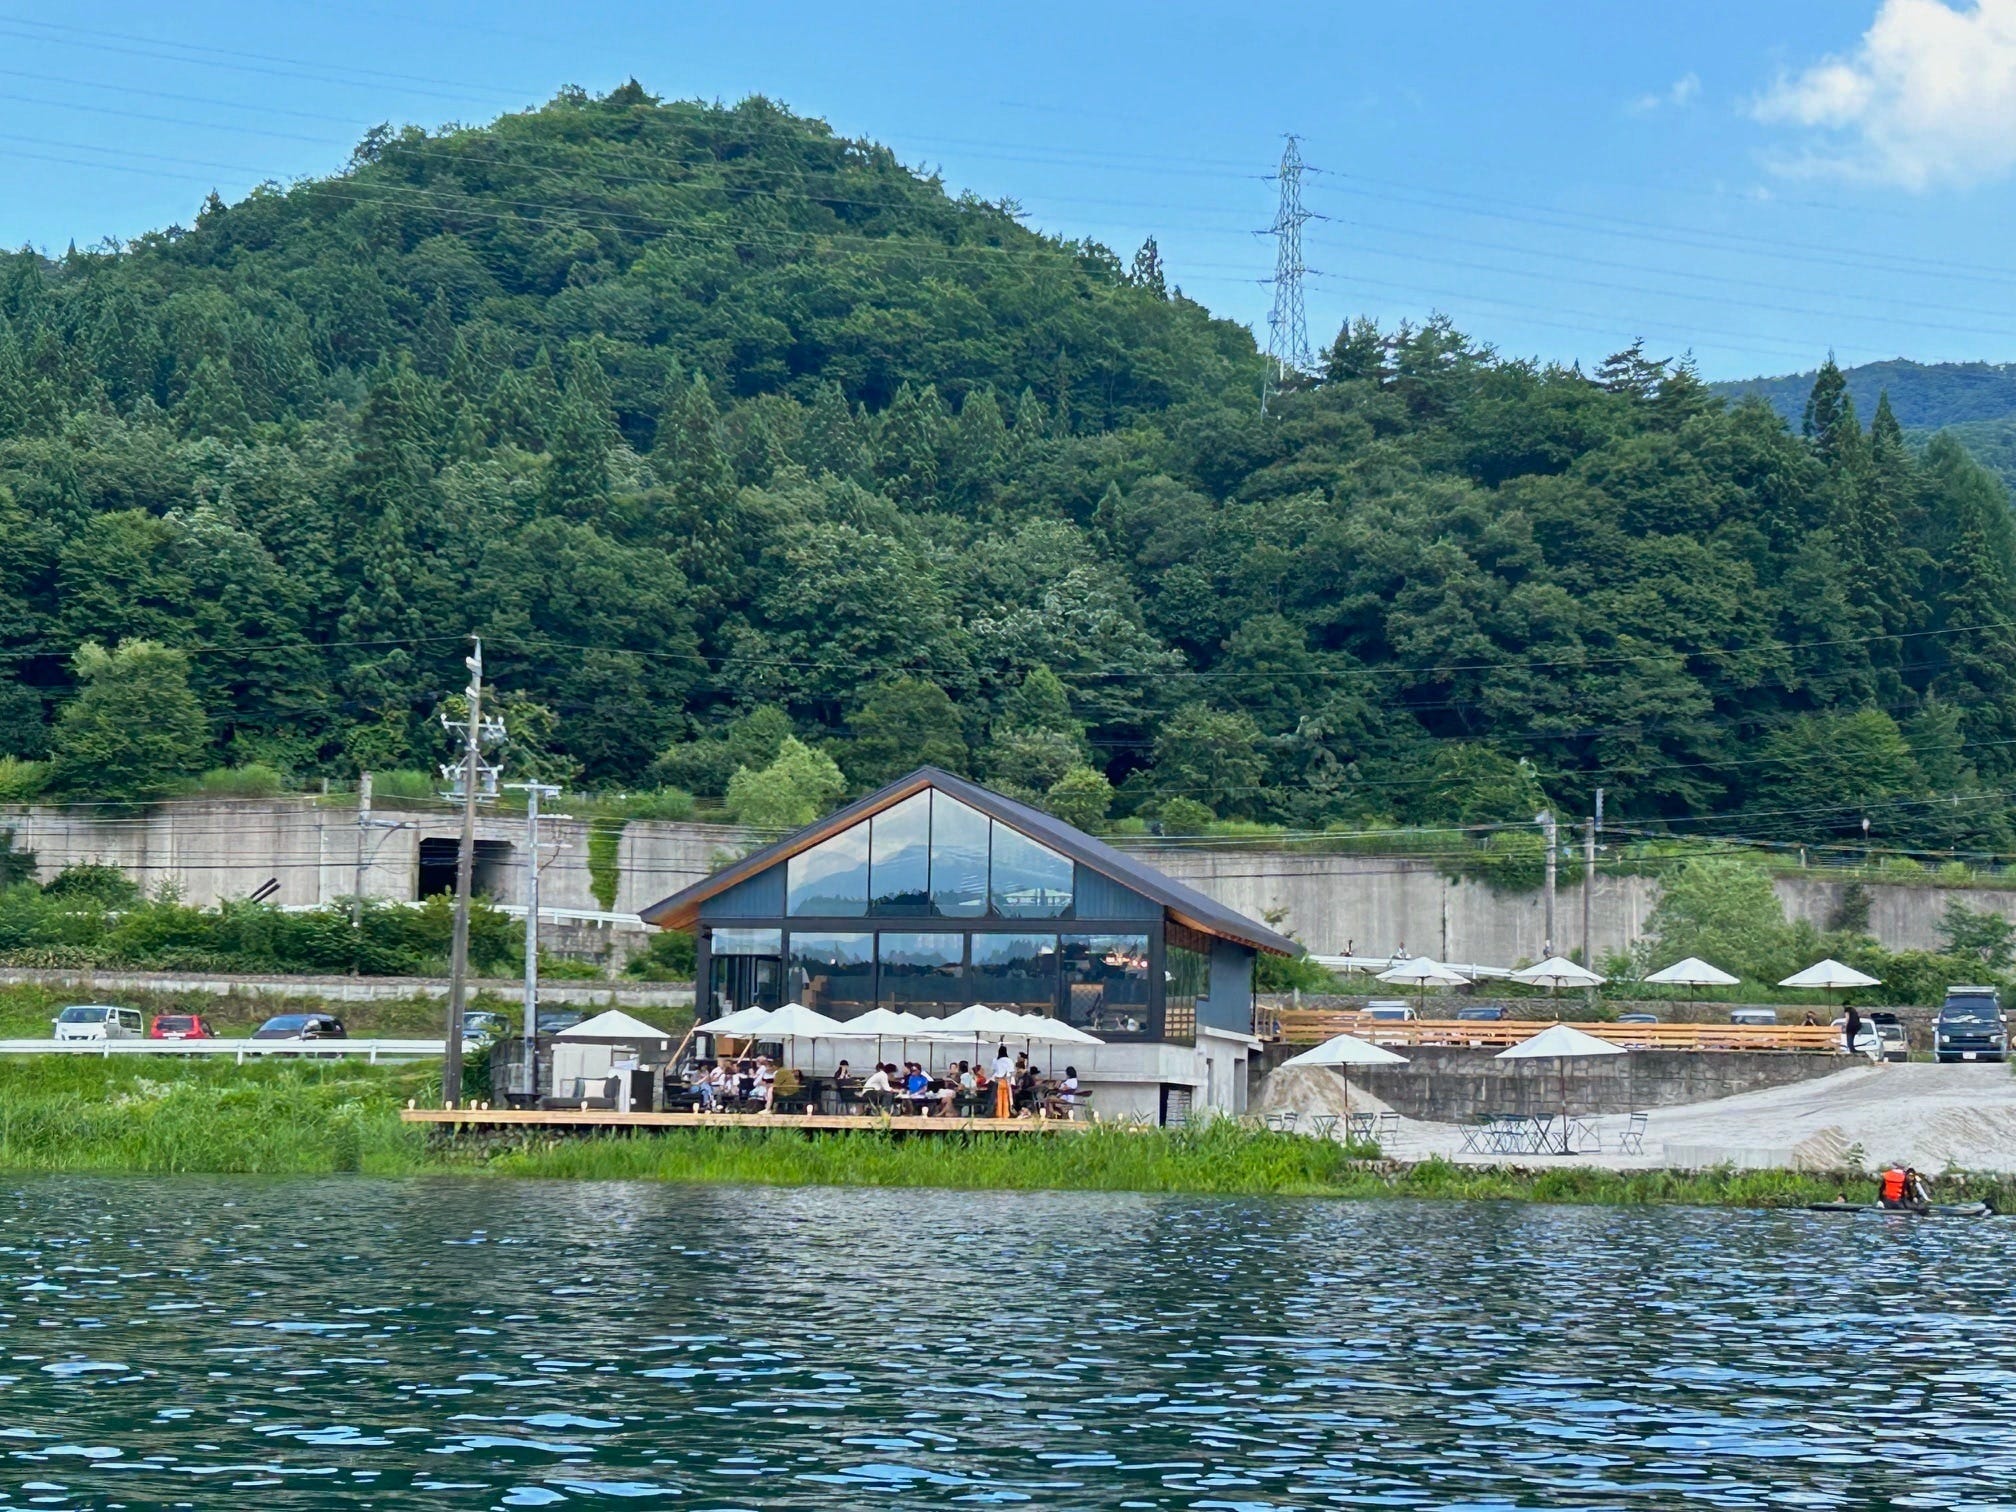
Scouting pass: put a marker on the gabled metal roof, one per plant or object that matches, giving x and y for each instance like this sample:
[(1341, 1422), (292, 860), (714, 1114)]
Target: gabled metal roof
[(1187, 905)]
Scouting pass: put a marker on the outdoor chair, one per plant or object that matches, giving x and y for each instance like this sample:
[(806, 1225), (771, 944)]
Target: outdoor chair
[(1389, 1125), (1474, 1132), (1632, 1140), (1326, 1125), (1359, 1127)]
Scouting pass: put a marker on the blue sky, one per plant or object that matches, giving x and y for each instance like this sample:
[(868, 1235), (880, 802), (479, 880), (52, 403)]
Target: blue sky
[(1755, 181)]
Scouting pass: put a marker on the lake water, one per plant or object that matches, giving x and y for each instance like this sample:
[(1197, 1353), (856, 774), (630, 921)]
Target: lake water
[(443, 1343)]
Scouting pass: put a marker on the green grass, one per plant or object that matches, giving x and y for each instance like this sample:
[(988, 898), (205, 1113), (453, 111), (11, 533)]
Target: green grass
[(134, 1116), (25, 1011)]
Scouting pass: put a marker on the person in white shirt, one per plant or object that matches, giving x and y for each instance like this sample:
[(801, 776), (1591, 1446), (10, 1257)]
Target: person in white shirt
[(875, 1090), (766, 1082)]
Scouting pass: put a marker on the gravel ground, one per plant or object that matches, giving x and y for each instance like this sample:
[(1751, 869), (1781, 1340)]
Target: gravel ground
[(1934, 1117)]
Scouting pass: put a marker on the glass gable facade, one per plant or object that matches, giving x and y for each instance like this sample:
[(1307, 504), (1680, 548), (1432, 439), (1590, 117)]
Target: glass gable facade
[(929, 856), (931, 904)]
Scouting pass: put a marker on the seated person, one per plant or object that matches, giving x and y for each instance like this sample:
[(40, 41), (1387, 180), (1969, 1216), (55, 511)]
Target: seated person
[(875, 1090), (968, 1079), (1902, 1189), (745, 1080), (1067, 1092), (766, 1082), (915, 1082), (946, 1091), (1028, 1089), (702, 1086)]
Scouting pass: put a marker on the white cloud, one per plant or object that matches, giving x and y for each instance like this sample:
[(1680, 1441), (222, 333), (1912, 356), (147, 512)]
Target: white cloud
[(1927, 97), (1682, 91)]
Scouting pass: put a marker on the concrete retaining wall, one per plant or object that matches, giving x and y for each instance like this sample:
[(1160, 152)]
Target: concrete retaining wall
[(1447, 1084), (212, 849)]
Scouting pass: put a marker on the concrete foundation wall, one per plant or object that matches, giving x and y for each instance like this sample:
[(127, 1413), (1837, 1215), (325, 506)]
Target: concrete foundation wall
[(1449, 1084), (213, 850)]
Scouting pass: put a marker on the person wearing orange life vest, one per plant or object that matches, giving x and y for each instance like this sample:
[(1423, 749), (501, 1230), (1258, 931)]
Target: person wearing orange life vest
[(1902, 1189)]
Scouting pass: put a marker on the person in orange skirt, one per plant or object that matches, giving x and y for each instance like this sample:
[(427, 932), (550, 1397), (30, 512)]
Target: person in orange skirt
[(1004, 1083)]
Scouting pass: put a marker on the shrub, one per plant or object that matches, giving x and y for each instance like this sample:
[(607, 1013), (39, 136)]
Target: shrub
[(94, 881), (666, 803), (668, 958), (253, 780), (22, 781), (406, 786)]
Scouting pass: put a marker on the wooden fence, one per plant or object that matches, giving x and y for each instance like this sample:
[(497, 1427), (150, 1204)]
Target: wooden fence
[(1310, 1026)]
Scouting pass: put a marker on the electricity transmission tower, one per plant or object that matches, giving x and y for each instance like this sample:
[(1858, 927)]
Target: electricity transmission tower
[(1287, 325)]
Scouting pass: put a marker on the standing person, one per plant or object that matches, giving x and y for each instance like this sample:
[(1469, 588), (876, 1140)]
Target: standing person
[(1004, 1083), (1851, 1028), (1067, 1092)]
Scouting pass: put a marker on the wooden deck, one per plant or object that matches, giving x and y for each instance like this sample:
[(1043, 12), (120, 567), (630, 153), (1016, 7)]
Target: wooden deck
[(816, 1123)]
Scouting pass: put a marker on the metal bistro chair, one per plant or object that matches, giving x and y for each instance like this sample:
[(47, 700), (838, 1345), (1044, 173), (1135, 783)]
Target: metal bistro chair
[(1361, 1127), (1389, 1125), (1326, 1125), (1474, 1131), (1632, 1140)]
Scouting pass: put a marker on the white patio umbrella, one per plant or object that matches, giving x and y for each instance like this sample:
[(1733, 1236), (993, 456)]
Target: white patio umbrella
[(1830, 976), (1345, 1050), (1692, 972), (794, 1021), (1421, 970), (1561, 1043), (740, 1024), (1557, 972)]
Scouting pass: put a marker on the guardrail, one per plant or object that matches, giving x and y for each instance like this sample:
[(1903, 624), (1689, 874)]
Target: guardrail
[(373, 1050), (1313, 1026)]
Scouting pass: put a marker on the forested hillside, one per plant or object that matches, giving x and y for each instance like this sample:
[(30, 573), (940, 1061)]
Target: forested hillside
[(1925, 396), (722, 430)]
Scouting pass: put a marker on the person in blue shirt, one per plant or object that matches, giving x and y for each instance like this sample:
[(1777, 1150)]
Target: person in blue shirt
[(916, 1081)]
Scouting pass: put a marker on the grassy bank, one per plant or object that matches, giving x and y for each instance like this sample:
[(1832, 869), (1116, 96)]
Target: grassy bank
[(25, 1010), (320, 1118)]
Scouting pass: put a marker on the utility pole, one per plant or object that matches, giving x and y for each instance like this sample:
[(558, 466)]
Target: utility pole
[(1287, 323), (534, 791), (1595, 822), (363, 857), (471, 773), (1545, 819)]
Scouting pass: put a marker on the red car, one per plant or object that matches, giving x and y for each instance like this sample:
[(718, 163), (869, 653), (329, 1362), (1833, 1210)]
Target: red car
[(180, 1026)]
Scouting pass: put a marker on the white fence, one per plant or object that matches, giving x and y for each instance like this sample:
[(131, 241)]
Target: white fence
[(373, 1050)]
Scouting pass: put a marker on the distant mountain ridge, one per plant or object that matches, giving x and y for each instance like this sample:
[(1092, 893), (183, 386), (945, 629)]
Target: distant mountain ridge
[(1924, 395)]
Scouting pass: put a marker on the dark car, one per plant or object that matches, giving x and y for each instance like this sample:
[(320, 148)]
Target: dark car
[(1970, 1026), (1481, 1013), (180, 1026), (306, 1026), (553, 1020)]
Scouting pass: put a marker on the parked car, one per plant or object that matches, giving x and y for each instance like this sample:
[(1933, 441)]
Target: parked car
[(1890, 1029), (1637, 1018), (553, 1020), (303, 1026), (1482, 1013), (1867, 1041), (1753, 1016), (97, 1021), (180, 1026), (1970, 1026), (481, 1025)]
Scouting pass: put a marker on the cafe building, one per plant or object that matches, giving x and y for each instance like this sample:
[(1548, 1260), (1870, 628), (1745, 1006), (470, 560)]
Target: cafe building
[(934, 892)]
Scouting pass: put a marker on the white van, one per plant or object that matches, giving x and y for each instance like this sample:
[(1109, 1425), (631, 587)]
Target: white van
[(98, 1021)]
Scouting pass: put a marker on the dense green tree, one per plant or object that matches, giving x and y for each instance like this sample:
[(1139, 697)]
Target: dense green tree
[(793, 790), (1722, 909), (134, 730), (899, 724)]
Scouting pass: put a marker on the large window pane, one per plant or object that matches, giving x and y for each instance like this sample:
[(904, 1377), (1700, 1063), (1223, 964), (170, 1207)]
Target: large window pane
[(899, 879), (958, 859), (924, 973), (1030, 881), (1106, 984), (833, 973), (831, 879), (1015, 971), (745, 969)]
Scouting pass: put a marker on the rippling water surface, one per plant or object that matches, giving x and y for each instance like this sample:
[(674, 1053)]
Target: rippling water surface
[(351, 1343)]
